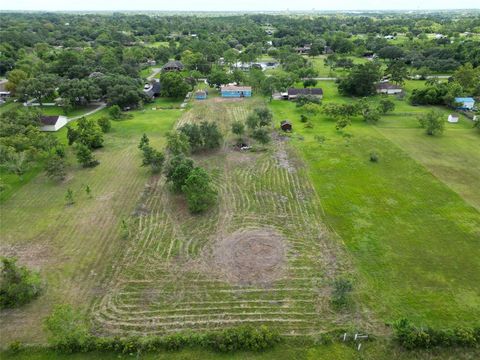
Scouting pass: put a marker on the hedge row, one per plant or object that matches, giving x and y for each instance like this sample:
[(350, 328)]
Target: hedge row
[(233, 339), (413, 337)]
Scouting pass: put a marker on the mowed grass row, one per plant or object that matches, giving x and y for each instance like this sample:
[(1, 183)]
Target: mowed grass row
[(75, 246), (167, 280), (414, 239)]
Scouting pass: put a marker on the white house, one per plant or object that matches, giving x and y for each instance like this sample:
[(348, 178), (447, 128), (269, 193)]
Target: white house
[(453, 118), (388, 88), (53, 123)]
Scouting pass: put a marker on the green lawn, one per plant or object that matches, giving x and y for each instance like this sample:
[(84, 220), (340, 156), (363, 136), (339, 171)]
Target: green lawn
[(56, 110), (73, 245), (415, 240)]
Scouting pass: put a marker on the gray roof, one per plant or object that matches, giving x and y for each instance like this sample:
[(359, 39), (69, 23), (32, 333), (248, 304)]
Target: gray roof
[(387, 86), (306, 91), (173, 64)]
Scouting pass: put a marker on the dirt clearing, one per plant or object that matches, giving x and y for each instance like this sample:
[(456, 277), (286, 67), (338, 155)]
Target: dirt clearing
[(251, 256)]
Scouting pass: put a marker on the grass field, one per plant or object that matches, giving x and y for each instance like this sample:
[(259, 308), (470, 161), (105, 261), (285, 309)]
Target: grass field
[(73, 245), (290, 218), (414, 239), (175, 273)]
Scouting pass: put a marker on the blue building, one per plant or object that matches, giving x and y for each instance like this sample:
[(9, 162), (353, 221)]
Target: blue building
[(201, 95), (232, 91), (467, 103)]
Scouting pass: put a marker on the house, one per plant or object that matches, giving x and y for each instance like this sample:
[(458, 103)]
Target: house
[(388, 88), (201, 95), (52, 123), (293, 93), (453, 118), (286, 125), (304, 50), (233, 91), (153, 88), (173, 65), (466, 103)]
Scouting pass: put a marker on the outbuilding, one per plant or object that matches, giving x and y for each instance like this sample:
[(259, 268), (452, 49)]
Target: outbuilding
[(293, 93), (388, 88), (452, 118), (234, 91), (286, 125), (200, 95), (52, 123), (465, 103)]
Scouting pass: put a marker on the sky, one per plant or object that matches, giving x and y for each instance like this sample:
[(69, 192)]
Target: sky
[(243, 5)]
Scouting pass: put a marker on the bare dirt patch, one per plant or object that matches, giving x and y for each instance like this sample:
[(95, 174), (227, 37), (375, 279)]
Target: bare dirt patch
[(250, 256), (32, 255)]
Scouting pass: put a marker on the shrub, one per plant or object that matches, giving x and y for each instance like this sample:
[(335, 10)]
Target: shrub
[(373, 156), (432, 122), (341, 292), (244, 338), (261, 135), (303, 118), (18, 285), (104, 123), (302, 100), (67, 329), (412, 337)]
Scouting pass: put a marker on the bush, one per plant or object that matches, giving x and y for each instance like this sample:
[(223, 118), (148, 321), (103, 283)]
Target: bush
[(244, 338), (302, 100), (432, 122), (261, 135), (412, 337), (341, 293), (18, 285), (373, 156), (303, 118), (104, 123), (68, 331)]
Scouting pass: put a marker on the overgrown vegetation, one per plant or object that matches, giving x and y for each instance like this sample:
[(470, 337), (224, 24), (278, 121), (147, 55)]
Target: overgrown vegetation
[(18, 285)]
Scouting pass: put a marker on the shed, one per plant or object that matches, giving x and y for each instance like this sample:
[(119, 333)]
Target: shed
[(234, 91), (173, 65), (388, 88), (153, 88), (453, 118), (466, 103), (200, 95), (52, 123), (293, 93), (286, 125)]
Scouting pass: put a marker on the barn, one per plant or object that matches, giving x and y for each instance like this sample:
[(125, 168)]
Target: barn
[(233, 91), (52, 123)]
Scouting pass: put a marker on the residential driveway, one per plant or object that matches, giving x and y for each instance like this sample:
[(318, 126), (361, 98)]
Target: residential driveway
[(99, 106)]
